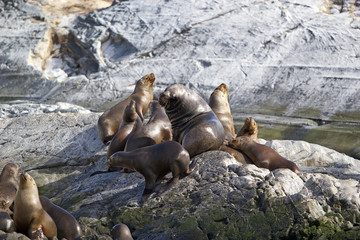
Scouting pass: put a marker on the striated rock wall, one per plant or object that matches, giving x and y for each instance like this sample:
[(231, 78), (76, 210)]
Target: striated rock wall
[(279, 58)]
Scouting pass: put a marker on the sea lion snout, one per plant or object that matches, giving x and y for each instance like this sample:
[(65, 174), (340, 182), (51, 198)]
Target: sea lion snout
[(223, 88), (150, 78), (24, 176)]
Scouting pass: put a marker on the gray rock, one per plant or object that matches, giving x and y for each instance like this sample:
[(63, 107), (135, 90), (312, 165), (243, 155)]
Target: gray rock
[(299, 59), (220, 199)]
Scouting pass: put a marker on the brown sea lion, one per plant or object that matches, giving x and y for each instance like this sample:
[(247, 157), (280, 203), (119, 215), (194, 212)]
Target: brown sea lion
[(194, 124), (131, 121), (6, 222), (154, 162), (121, 232), (67, 226), (109, 122), (157, 130), (249, 129), (29, 216), (218, 102), (262, 155), (9, 185)]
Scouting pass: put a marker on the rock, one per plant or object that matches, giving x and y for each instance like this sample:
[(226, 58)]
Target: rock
[(295, 67), (220, 199)]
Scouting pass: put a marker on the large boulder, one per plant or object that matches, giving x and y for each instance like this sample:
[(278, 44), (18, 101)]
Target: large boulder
[(221, 199)]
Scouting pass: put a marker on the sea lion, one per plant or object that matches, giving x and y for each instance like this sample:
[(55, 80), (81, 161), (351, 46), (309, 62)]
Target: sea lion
[(194, 124), (9, 185), (249, 129), (157, 130), (110, 120), (121, 232), (218, 102), (29, 215), (6, 222), (154, 162), (262, 155), (67, 226), (131, 122)]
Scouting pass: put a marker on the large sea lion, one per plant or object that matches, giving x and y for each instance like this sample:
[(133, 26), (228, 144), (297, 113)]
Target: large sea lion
[(154, 162), (262, 155), (121, 232), (9, 185), (29, 215), (131, 121), (194, 124), (109, 122), (157, 130), (219, 103), (67, 226)]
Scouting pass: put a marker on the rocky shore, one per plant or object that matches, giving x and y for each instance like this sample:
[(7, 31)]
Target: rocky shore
[(292, 65)]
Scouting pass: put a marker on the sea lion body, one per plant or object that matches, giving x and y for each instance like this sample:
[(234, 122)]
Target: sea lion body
[(194, 124), (67, 226), (154, 162), (29, 216), (219, 103), (239, 156), (9, 185), (131, 122), (262, 155), (121, 232), (157, 130), (109, 122)]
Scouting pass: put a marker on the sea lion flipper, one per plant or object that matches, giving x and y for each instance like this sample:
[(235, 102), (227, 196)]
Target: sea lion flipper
[(146, 194), (36, 233), (42, 225), (192, 166)]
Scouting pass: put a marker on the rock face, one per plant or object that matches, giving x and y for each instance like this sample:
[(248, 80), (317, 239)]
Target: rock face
[(294, 64)]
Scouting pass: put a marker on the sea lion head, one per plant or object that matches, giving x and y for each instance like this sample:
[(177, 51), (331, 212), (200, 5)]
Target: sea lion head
[(218, 100), (146, 81), (252, 125), (121, 231), (223, 88), (130, 114), (10, 170), (181, 101), (238, 142), (26, 181)]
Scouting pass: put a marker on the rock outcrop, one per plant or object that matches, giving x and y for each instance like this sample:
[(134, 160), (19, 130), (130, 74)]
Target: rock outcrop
[(221, 199), (293, 65)]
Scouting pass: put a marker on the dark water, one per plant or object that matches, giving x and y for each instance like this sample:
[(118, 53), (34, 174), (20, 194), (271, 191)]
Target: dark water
[(342, 137)]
